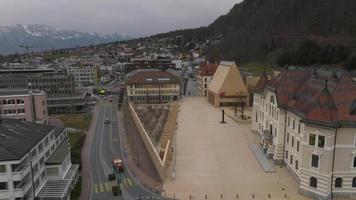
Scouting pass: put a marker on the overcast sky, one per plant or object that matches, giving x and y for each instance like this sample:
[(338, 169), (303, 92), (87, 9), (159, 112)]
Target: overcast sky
[(133, 17)]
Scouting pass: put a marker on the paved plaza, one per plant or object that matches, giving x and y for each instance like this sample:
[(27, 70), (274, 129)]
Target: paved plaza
[(214, 159)]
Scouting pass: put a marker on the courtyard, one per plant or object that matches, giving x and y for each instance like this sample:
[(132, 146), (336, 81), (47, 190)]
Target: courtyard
[(214, 159)]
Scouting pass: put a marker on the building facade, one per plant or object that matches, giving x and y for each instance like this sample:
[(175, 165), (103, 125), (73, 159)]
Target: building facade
[(58, 86), (83, 76), (24, 105), (307, 121), (204, 76), (153, 87), (227, 88), (27, 149)]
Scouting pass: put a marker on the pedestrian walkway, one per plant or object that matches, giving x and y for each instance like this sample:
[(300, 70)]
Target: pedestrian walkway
[(261, 158), (107, 186)]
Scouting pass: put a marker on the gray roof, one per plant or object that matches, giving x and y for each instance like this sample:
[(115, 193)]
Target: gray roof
[(9, 92), (17, 137)]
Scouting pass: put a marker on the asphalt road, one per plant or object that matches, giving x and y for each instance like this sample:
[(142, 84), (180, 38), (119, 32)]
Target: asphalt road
[(105, 146)]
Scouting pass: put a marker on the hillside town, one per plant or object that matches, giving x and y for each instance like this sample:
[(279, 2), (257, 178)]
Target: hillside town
[(186, 114)]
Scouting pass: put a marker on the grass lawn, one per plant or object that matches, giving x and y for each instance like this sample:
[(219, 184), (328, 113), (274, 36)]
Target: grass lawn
[(256, 67), (77, 121)]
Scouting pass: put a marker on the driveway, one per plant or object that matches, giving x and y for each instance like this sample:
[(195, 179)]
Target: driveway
[(214, 159)]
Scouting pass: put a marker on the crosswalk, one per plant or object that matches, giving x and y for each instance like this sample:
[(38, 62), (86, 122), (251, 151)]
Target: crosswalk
[(107, 187)]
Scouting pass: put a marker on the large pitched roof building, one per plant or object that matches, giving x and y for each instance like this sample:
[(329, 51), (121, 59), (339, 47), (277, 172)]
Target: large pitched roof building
[(307, 120), (226, 86)]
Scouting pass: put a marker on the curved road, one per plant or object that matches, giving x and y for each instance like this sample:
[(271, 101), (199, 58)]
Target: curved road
[(105, 146)]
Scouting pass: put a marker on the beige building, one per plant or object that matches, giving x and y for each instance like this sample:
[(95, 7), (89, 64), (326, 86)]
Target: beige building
[(204, 76), (24, 105), (307, 121), (83, 76), (227, 87), (152, 87)]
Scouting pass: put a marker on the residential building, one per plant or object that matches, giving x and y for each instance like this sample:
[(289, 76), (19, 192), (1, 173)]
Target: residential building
[(83, 76), (227, 88), (307, 121), (204, 76), (24, 104), (27, 153), (153, 87)]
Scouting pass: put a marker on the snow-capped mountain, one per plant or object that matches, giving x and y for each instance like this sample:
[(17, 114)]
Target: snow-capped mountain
[(43, 37)]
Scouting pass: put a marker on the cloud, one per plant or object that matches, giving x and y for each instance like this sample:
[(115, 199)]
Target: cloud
[(135, 17)]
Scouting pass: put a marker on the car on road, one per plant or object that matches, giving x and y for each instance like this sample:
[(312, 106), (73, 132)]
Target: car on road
[(118, 165), (107, 121)]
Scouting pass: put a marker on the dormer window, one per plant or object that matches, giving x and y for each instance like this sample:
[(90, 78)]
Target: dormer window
[(272, 99)]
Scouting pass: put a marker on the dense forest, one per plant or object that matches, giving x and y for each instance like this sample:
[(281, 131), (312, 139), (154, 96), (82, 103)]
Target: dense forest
[(254, 29)]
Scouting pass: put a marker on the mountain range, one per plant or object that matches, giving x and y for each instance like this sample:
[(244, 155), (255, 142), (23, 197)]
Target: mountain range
[(43, 37)]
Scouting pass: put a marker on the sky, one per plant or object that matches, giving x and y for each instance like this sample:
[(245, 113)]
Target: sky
[(132, 17)]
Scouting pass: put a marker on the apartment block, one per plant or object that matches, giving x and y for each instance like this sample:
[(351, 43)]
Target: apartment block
[(306, 120), (83, 76), (24, 105), (153, 87), (204, 76), (35, 161)]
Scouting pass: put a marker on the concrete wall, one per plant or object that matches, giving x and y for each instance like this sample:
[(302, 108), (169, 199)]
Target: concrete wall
[(160, 164)]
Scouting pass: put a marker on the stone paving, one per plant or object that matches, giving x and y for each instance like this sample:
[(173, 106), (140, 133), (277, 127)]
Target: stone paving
[(214, 159)]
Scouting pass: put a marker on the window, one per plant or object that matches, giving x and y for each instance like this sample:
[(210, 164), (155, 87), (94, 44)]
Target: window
[(292, 141), (338, 182), (296, 165), (287, 137), (299, 128), (286, 154), (311, 139), (2, 168), (321, 141), (315, 161), (297, 146), (354, 163), (354, 182), (313, 182), (3, 185), (288, 121), (291, 159), (293, 124)]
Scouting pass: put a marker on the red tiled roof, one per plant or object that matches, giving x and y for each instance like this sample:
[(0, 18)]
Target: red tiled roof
[(306, 93), (156, 77), (208, 69), (262, 82)]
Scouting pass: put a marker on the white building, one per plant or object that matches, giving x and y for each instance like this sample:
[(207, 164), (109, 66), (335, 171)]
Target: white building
[(27, 154), (83, 76), (307, 122)]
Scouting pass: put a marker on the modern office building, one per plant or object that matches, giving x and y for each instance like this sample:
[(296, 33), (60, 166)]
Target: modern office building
[(35, 161), (59, 87), (204, 76), (24, 105), (153, 87), (307, 121), (83, 76)]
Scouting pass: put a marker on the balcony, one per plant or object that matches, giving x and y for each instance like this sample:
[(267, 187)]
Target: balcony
[(21, 170)]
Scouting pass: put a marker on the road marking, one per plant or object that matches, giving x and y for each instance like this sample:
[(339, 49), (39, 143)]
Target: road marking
[(96, 188), (107, 187), (101, 187), (130, 182)]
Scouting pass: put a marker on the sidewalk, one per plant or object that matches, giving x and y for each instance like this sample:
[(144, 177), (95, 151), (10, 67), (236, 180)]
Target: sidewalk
[(85, 166)]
